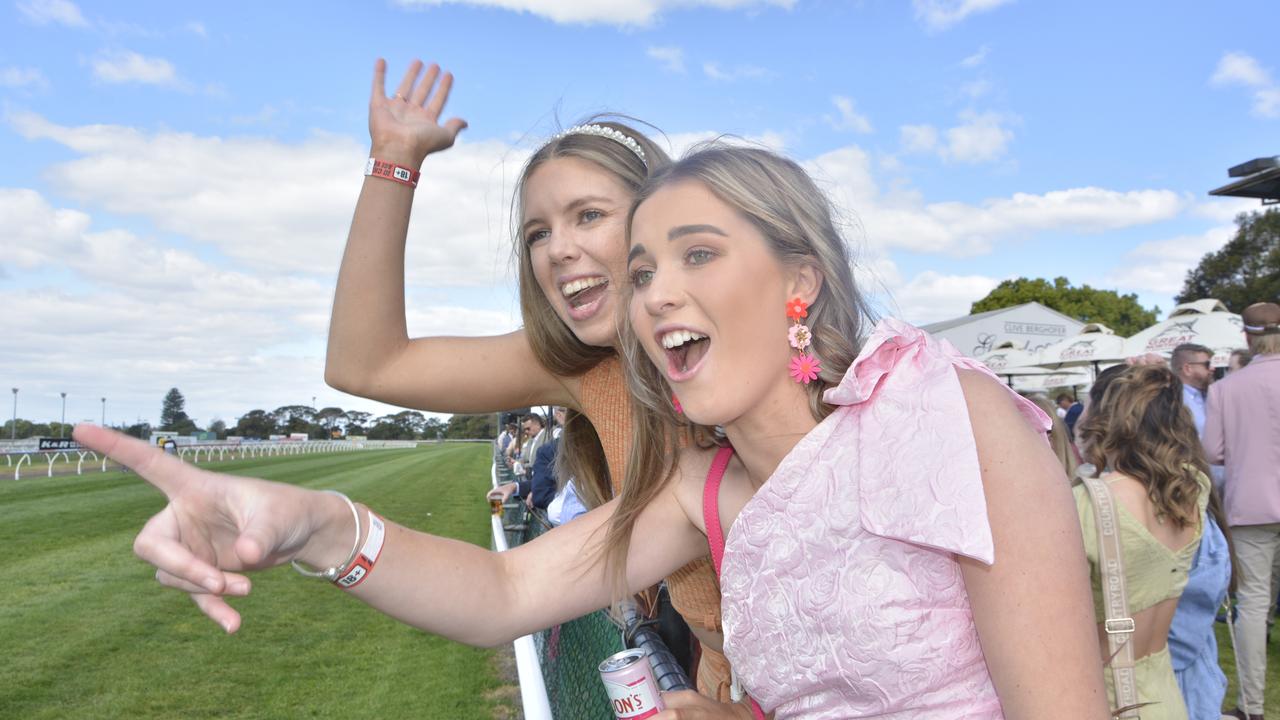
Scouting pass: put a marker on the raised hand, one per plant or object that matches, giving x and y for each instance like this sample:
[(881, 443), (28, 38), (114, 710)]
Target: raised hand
[(406, 126), (217, 525)]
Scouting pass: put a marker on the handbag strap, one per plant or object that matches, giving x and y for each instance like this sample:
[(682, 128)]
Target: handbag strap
[(715, 538), (1119, 624)]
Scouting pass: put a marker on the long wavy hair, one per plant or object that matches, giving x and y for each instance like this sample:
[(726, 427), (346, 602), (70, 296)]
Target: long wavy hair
[(779, 198), (557, 348), (1140, 427)]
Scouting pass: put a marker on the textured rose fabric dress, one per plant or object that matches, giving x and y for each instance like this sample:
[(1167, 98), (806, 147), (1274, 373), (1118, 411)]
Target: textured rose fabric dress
[(841, 593)]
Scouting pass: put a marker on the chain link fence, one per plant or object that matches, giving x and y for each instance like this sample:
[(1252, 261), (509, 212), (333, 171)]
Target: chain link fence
[(570, 654)]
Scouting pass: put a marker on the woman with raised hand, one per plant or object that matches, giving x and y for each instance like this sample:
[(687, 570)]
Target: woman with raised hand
[(571, 204), (898, 541), (1140, 434)]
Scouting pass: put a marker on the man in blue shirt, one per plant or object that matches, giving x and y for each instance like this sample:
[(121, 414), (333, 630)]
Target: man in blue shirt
[(1193, 365)]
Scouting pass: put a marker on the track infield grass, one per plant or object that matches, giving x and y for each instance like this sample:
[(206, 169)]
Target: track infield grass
[(88, 633)]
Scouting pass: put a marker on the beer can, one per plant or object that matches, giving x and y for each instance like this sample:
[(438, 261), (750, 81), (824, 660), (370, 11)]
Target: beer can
[(495, 504), (629, 681)]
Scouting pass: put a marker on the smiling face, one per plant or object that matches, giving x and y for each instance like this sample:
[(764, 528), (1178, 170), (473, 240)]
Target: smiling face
[(709, 304), (574, 224)]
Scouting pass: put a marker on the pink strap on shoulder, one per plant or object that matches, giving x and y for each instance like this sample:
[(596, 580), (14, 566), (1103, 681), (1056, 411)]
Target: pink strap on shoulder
[(715, 533), (711, 505)]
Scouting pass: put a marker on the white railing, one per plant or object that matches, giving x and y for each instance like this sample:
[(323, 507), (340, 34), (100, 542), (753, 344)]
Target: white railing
[(533, 689), (209, 452)]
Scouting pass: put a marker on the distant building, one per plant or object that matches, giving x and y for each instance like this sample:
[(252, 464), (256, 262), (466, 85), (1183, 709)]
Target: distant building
[(1029, 326)]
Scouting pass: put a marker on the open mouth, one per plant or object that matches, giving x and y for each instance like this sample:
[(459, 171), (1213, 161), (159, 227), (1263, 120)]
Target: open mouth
[(685, 350), (584, 295)]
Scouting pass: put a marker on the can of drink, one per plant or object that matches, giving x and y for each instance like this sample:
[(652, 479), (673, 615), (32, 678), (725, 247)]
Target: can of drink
[(495, 504), (629, 682)]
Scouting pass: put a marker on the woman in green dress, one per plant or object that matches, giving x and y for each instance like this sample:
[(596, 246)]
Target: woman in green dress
[(1142, 437)]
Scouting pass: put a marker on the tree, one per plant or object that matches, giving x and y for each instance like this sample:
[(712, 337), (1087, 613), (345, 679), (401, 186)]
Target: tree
[(219, 428), (329, 417), (173, 414), (141, 430), (1246, 270), (356, 420), (256, 424), (471, 427), (1121, 313)]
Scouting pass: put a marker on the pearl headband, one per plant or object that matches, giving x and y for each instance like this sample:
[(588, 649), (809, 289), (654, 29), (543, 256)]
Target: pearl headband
[(607, 132)]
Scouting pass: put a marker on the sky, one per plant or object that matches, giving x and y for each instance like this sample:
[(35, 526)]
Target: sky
[(177, 179)]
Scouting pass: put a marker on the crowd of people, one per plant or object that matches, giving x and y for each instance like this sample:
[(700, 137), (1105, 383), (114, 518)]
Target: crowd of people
[(1157, 432), (853, 519)]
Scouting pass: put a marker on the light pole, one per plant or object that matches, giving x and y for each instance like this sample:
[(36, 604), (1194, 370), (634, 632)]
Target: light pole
[(62, 428), (104, 412), (13, 429)]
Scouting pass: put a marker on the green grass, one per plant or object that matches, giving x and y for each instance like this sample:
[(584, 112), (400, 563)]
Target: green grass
[(1226, 658), (88, 633)]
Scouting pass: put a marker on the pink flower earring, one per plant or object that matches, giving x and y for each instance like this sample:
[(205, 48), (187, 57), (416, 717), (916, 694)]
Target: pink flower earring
[(804, 367), (675, 402)]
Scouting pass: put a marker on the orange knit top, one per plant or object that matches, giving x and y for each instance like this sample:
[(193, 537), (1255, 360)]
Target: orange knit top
[(695, 593)]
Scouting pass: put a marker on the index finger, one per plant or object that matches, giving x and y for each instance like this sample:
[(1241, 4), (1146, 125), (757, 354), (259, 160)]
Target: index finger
[(150, 463), (380, 79)]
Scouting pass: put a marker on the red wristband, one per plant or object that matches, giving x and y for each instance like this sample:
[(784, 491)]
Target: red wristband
[(363, 565), (392, 171)]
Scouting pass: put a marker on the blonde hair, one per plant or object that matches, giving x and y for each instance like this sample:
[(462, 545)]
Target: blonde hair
[(776, 196), (1264, 344), (1141, 428), (1059, 437), (557, 348)]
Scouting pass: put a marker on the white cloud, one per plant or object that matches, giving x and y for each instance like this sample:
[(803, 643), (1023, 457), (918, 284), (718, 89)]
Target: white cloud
[(44, 12), (16, 77), (977, 58), (613, 12), (902, 219), (982, 138), (126, 66), (850, 118), (195, 27), (145, 317), (1240, 69), (938, 15), (979, 138), (1161, 266), (932, 296), (1236, 68), (287, 206), (918, 138), (738, 72), (672, 58), (1224, 209)]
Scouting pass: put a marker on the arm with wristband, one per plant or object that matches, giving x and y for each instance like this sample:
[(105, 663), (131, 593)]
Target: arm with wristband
[(216, 527), (370, 353)]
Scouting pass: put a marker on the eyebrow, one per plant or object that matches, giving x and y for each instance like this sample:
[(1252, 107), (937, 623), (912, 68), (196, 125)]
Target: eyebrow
[(682, 230), (678, 232), (577, 203)]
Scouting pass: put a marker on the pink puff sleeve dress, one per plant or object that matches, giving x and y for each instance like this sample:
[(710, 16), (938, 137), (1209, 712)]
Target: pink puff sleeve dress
[(842, 596)]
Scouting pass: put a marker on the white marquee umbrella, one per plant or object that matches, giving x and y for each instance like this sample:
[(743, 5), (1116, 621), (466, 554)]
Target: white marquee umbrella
[(1018, 368), (1008, 359), (1050, 380), (1203, 322), (1094, 346)]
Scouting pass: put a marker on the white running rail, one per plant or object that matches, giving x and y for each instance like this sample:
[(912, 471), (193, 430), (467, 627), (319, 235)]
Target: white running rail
[(533, 689)]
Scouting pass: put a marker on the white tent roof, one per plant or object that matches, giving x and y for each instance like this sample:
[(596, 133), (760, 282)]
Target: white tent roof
[(1095, 344), (1203, 322)]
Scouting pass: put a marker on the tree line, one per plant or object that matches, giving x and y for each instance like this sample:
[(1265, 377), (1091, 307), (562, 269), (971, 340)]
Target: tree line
[(318, 424)]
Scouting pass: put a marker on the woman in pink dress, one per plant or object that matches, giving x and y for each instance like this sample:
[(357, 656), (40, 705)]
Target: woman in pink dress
[(897, 539)]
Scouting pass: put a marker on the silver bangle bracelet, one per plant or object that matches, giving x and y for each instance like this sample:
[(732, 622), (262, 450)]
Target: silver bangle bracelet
[(332, 573)]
